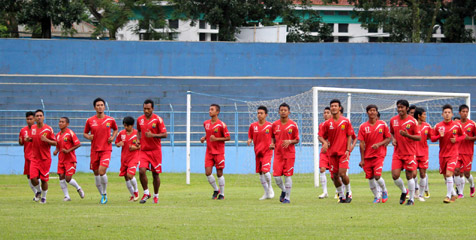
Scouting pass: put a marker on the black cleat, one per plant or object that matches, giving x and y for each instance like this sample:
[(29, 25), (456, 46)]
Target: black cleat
[(221, 197), (283, 195), (410, 202), (215, 195), (348, 200), (341, 200), (403, 197)]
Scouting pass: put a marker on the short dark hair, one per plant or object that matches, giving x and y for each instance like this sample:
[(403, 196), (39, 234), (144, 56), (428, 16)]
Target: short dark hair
[(284, 105), (335, 101), (39, 110), (327, 108), (462, 107), (98, 100), (149, 101), (378, 114), (341, 109), (403, 102), (370, 107), (413, 106), (265, 109), (447, 106), (456, 118), (217, 107), (29, 113), (65, 118), (418, 111), (128, 121)]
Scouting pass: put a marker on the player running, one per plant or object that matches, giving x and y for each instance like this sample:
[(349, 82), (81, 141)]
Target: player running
[(151, 129), (25, 140), (422, 155), (98, 131), (405, 132), (259, 134), (466, 151), (216, 134), (42, 139), (374, 136), (67, 143), (285, 134), (127, 139), (450, 134), (338, 130), (324, 158)]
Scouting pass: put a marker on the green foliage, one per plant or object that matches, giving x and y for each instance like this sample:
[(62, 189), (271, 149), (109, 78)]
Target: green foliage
[(4, 31), (153, 17), (110, 15), (454, 13), (306, 25)]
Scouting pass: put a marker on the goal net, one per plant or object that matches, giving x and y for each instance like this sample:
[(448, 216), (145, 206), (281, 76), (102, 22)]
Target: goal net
[(307, 111)]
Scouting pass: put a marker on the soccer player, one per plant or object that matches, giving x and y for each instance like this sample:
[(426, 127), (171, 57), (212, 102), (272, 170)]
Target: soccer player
[(324, 158), (42, 139), (66, 144), (151, 129), (98, 131), (449, 133), (338, 130), (285, 134), (259, 134), (411, 110), (374, 136), (405, 132), (216, 134), (127, 139), (466, 151), (422, 155), (24, 139)]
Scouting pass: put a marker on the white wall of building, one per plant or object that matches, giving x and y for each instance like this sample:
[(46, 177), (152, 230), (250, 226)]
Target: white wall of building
[(276, 33)]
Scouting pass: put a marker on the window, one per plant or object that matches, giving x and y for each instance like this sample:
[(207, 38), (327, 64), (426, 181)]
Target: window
[(174, 23), (173, 36), (343, 39), (343, 28), (343, 13), (213, 26), (202, 37), (329, 39), (373, 28), (214, 37), (328, 13), (202, 24), (331, 25), (373, 39)]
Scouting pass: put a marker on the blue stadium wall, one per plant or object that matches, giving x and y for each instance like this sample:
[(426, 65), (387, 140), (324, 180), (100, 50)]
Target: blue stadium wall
[(55, 70)]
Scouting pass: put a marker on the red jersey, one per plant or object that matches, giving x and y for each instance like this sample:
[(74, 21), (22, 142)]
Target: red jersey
[(27, 146), (321, 126), (336, 132), (41, 149), (466, 146), (422, 145), (66, 140), (156, 126), (101, 129), (405, 146), (452, 129), (280, 132), (129, 140), (372, 134), (219, 130), (261, 136)]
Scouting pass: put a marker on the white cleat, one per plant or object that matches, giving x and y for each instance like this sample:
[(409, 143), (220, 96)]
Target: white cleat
[(264, 197), (336, 196), (323, 195), (66, 199), (271, 193), (421, 199), (81, 192)]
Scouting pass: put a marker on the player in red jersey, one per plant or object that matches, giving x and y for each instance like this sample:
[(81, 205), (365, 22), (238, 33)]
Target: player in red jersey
[(338, 131), (98, 131), (374, 136), (151, 129), (324, 158), (128, 140), (450, 134), (66, 143), (285, 134), (259, 134), (42, 139), (405, 132), (24, 139), (466, 151), (216, 134), (422, 156)]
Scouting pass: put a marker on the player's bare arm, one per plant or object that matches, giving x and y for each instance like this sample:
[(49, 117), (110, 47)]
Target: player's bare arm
[(71, 149), (412, 137), (88, 136), (273, 142), (50, 142), (349, 145), (382, 143), (354, 142), (56, 151), (286, 143), (249, 141), (362, 150), (120, 144), (325, 144), (133, 148), (149, 134), (111, 138), (219, 139)]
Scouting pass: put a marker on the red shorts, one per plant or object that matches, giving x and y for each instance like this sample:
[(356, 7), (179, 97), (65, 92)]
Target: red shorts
[(263, 162), (283, 166), (100, 158), (448, 164), (465, 162), (40, 169), (129, 167), (422, 162), (338, 161), (152, 160), (66, 167), (26, 168), (217, 160), (373, 167), (407, 162), (323, 160)]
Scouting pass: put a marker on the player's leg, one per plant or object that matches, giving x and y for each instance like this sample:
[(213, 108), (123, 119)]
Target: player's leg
[(343, 168), (26, 171), (411, 185), (468, 161), (70, 171), (221, 182), (262, 179), (457, 179), (34, 177), (104, 158), (131, 175), (422, 184), (144, 165), (95, 167), (63, 185), (129, 187), (397, 166), (44, 176), (288, 182), (278, 169), (323, 181), (156, 177)]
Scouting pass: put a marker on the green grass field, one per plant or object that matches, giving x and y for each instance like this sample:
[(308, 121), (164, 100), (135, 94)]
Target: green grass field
[(187, 212)]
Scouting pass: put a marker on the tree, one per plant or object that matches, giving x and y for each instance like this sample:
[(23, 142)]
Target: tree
[(306, 25), (110, 15), (8, 18), (454, 13), (152, 17)]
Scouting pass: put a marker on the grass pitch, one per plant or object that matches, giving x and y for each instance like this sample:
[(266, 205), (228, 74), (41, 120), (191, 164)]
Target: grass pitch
[(187, 212)]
